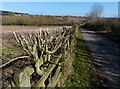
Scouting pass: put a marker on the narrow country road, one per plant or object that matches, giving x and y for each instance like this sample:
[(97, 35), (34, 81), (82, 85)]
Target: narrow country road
[(107, 57)]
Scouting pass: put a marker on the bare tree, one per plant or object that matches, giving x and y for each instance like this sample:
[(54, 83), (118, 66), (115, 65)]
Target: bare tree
[(96, 11)]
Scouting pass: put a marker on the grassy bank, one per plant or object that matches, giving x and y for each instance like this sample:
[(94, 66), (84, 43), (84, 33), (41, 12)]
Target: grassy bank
[(83, 74)]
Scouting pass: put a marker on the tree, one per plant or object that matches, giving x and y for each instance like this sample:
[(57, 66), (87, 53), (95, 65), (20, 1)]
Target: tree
[(96, 11), (94, 20)]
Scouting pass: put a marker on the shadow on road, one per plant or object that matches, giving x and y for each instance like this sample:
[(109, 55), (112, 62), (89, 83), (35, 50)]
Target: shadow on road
[(106, 55)]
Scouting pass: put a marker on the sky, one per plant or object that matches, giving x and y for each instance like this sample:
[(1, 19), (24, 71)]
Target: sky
[(60, 0), (60, 8)]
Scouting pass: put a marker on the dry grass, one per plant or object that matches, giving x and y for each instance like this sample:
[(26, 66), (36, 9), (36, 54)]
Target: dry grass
[(40, 20), (29, 20)]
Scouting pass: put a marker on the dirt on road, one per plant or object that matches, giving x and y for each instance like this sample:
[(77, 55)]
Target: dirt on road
[(106, 56)]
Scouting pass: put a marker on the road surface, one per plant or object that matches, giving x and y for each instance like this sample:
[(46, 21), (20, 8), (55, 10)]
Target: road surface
[(107, 57)]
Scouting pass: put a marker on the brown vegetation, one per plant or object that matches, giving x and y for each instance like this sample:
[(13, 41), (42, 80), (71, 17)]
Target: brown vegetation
[(110, 25), (40, 20)]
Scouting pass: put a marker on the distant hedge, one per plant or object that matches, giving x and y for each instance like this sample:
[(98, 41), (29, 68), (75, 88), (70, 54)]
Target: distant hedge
[(112, 25)]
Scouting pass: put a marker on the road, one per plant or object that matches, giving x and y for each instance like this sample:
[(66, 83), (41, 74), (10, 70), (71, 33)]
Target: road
[(106, 55)]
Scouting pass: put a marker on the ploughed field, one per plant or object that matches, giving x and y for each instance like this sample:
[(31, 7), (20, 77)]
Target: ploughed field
[(11, 28)]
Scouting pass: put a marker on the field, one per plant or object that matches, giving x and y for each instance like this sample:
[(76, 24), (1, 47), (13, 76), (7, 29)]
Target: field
[(18, 28), (41, 20)]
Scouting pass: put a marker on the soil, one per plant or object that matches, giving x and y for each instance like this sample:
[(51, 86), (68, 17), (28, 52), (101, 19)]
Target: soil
[(12, 28)]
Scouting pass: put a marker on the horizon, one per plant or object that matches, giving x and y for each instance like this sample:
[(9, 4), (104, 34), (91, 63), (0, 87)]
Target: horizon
[(60, 8)]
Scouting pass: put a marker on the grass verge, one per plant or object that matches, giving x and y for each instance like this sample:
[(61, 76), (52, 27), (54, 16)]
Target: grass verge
[(83, 74)]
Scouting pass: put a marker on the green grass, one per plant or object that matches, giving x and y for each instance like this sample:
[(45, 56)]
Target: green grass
[(83, 74), (10, 51)]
